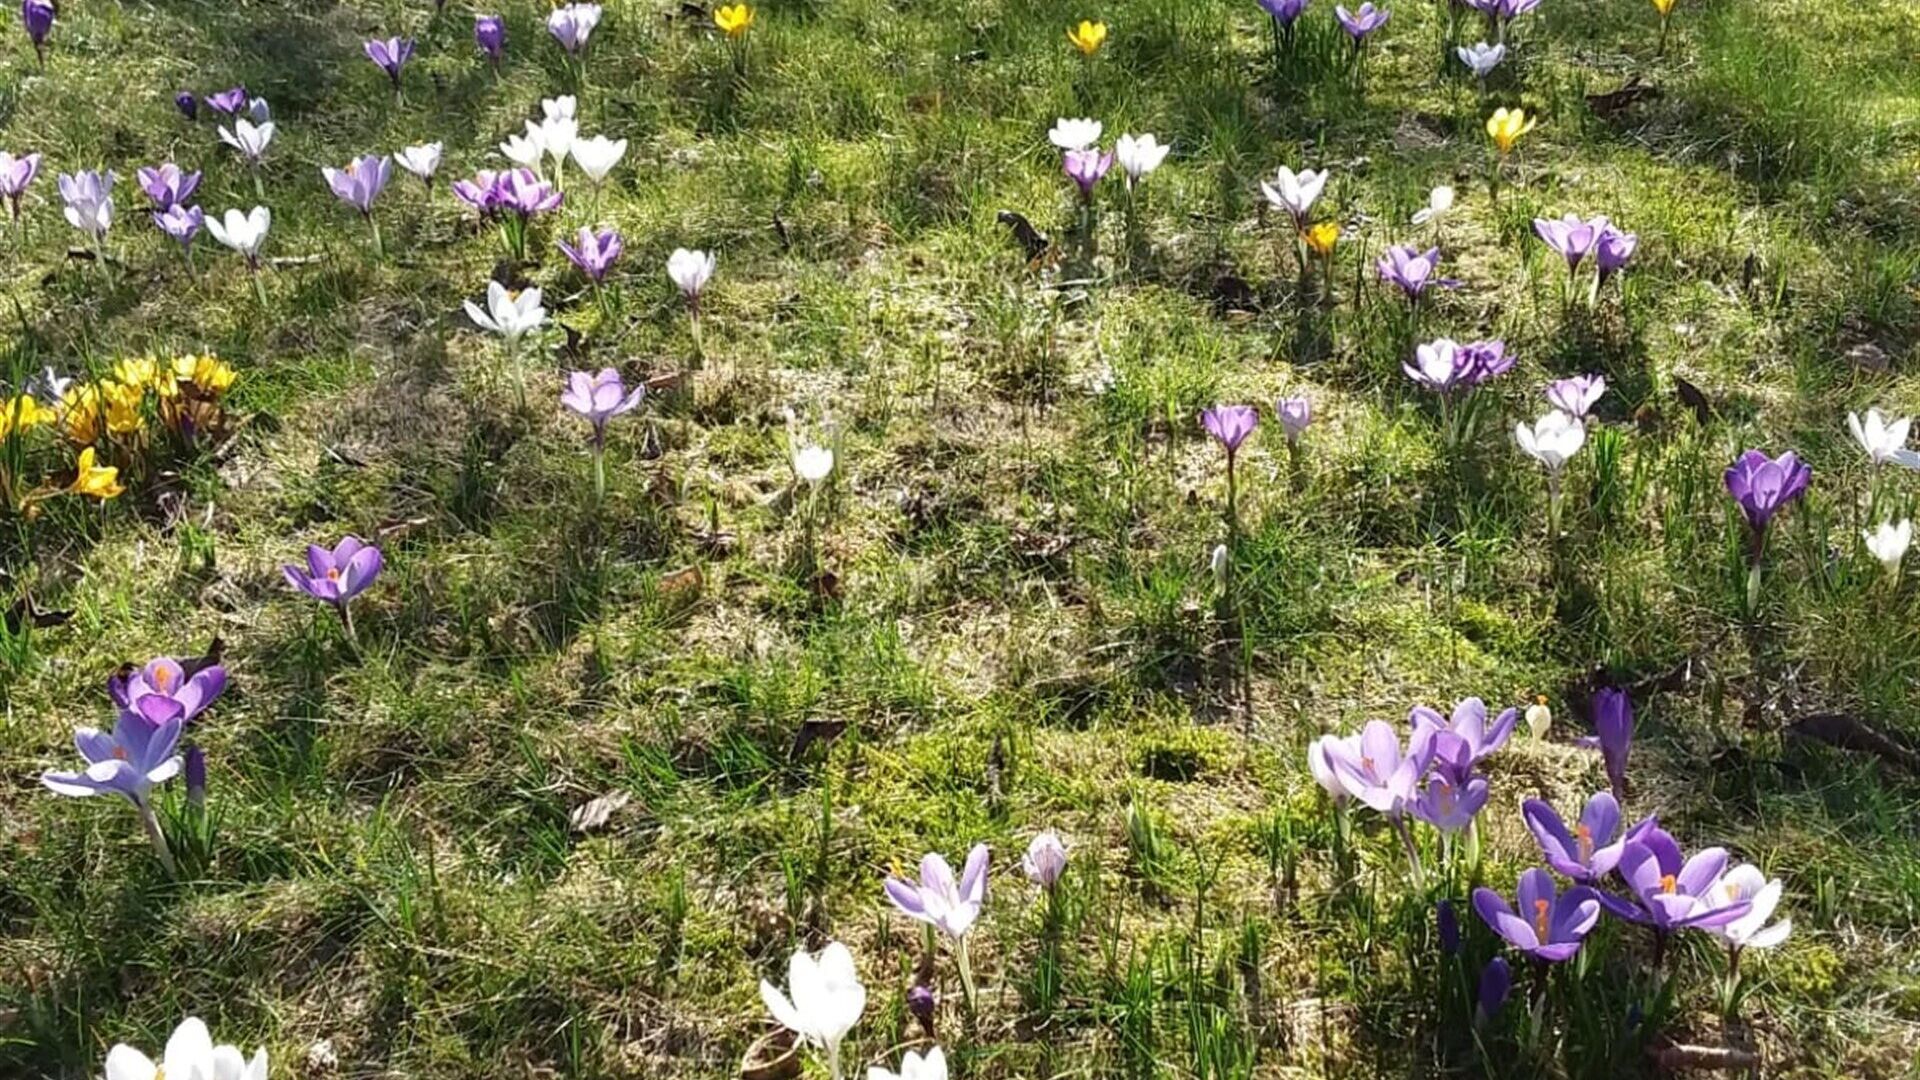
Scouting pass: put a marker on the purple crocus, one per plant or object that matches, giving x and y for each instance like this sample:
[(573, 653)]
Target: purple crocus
[(128, 761), (1576, 396), (599, 398), (36, 16), (1448, 806), (1464, 740), (15, 174), (1284, 12), (361, 181), (1508, 10), (1086, 167), (1547, 927), (1573, 238), (1448, 921), (572, 26), (1440, 365), (594, 253), (1295, 413), (939, 900), (490, 33), (339, 575), (483, 192), (1230, 425), (1671, 892), (1376, 771), (1412, 270), (181, 223), (1496, 982), (1612, 251), (390, 56), (228, 102), (1764, 486), (523, 192), (1613, 735), (167, 184), (1487, 360), (1362, 21), (165, 690), (1590, 850), (196, 776), (188, 104)]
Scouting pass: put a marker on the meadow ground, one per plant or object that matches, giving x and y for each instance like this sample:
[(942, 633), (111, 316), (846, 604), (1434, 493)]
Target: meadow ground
[(1002, 619)]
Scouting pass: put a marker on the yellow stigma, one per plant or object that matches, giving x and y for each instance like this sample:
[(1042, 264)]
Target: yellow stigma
[(1088, 36)]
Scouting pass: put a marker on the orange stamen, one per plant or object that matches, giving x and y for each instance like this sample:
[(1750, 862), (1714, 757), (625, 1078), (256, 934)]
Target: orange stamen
[(1585, 835), (1540, 919), (1667, 884)]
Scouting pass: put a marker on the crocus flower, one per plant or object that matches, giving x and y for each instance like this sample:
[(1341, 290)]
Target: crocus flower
[(1138, 156), (1551, 440), (824, 1000), (1539, 718), (1578, 395), (1506, 126), (189, 1054), (1613, 735), (15, 174), (1294, 413), (1465, 739), (599, 398), (1230, 425), (249, 138), (527, 150), (258, 110), (36, 17), (95, 481), (1612, 251), (422, 161), (1889, 543), (181, 223), (1670, 892), (228, 101), (572, 24), (1750, 931), (1376, 771), (483, 192), (1284, 12), (1087, 37), (1086, 167), (339, 575), (689, 271), (167, 184), (526, 194), (1362, 21), (558, 130), (1487, 359), (1045, 860), (1412, 270), (939, 900), (1547, 927), (164, 690), (511, 314), (923, 1003), (597, 156), (1571, 237), (1448, 922), (734, 20), (196, 776), (390, 56), (1070, 134), (244, 233), (915, 1067), (1439, 203), (1448, 806), (360, 182), (188, 104), (1439, 365), (1481, 58), (1295, 193), (89, 201), (127, 761), (1588, 852), (813, 464), (594, 253), (1884, 440), (1496, 981), (490, 33), (1320, 756), (1764, 486)]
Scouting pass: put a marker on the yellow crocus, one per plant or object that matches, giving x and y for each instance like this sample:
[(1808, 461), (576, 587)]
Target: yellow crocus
[(20, 414), (137, 371), (733, 19), (123, 405), (80, 410), (208, 374), (1088, 36), (97, 481), (1506, 126), (1322, 237), (1664, 7)]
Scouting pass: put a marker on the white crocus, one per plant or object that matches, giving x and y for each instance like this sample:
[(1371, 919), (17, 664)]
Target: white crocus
[(1750, 931), (564, 107), (824, 999), (1889, 543), (690, 271), (526, 150), (259, 110), (511, 314), (1295, 192), (249, 138), (1481, 58), (597, 156), (1138, 155), (1439, 202), (1884, 440), (244, 233), (1551, 440), (188, 1056), (1070, 134), (813, 463), (229, 1064), (914, 1067), (1539, 719), (422, 161), (557, 134)]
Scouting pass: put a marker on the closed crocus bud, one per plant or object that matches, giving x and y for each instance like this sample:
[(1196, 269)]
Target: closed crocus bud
[(1218, 564), (1449, 921), (1496, 979), (188, 104), (1045, 860), (1539, 718), (922, 1002), (196, 771)]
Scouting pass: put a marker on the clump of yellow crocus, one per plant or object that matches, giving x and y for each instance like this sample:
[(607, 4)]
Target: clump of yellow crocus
[(1088, 36), (208, 374), (21, 414), (95, 481), (1506, 126), (733, 19)]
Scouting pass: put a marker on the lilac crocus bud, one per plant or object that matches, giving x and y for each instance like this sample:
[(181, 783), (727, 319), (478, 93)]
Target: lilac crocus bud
[(1045, 860), (490, 33), (922, 1002), (36, 16), (188, 104), (196, 773), (1449, 921), (1496, 979), (1295, 414)]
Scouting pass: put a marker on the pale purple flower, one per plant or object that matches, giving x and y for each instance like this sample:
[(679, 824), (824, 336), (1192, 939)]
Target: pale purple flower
[(599, 398), (89, 201), (1612, 251), (15, 174), (1489, 359), (1086, 167), (391, 56), (1295, 413), (523, 192), (1440, 365), (228, 102), (181, 223), (167, 185), (361, 181), (484, 192), (1284, 12), (1377, 771), (1464, 740), (1361, 21), (948, 905), (1230, 424), (594, 253), (166, 689), (1451, 807), (1545, 926), (1576, 396), (1045, 860), (1571, 237), (339, 575), (1412, 270), (572, 25), (128, 761)]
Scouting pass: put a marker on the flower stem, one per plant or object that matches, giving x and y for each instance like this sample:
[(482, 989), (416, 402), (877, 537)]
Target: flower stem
[(964, 961), (158, 839)]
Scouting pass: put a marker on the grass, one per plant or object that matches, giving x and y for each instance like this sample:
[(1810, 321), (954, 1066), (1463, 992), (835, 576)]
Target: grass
[(1023, 632)]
